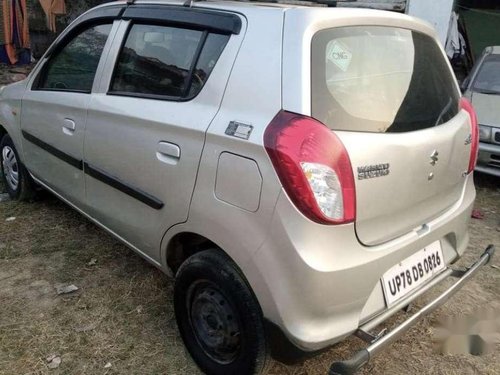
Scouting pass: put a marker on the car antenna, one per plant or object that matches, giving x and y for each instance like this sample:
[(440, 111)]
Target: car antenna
[(130, 2)]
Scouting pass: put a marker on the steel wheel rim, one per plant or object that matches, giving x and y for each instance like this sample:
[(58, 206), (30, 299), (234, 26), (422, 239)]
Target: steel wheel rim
[(10, 167), (214, 322)]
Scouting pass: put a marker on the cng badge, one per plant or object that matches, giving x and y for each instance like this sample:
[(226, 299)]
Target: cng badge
[(339, 54)]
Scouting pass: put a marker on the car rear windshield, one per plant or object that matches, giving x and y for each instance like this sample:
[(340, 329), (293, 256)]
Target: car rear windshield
[(380, 79), (487, 80)]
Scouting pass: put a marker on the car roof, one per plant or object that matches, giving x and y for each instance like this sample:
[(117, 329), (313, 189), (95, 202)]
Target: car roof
[(232, 3), (297, 5), (222, 4), (313, 11)]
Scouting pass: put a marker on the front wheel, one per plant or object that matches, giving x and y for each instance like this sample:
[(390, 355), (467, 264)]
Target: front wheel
[(218, 316), (16, 178)]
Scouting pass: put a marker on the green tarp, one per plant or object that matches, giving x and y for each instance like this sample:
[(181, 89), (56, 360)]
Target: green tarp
[(483, 28)]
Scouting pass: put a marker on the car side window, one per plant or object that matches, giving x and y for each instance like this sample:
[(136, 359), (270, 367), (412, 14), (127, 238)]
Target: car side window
[(214, 45), (166, 62), (73, 67)]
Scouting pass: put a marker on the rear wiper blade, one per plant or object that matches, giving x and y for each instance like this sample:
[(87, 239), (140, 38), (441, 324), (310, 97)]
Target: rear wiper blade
[(443, 111)]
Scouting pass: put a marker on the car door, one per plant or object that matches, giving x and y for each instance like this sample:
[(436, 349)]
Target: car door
[(146, 125), (54, 110)]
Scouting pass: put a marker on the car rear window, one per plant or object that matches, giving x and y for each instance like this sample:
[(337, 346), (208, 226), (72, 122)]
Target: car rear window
[(380, 79)]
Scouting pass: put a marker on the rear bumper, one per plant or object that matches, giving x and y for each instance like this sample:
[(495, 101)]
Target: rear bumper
[(318, 284), (377, 344), (489, 159)]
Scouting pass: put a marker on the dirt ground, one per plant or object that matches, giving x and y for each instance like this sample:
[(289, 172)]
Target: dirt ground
[(122, 315)]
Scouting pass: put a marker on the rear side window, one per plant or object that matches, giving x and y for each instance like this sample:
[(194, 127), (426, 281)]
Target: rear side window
[(380, 79), (73, 67), (166, 62)]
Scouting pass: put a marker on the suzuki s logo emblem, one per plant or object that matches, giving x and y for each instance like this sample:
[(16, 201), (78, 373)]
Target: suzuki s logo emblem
[(434, 157)]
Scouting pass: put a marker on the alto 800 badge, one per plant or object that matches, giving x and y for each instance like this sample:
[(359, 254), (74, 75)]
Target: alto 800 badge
[(372, 171)]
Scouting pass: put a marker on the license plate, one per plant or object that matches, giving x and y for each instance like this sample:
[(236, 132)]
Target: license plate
[(412, 272)]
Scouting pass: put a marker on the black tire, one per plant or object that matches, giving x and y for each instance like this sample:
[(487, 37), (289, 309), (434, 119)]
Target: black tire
[(24, 190), (219, 317)]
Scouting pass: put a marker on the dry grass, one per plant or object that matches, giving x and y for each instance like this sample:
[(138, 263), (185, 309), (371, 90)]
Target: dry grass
[(123, 312)]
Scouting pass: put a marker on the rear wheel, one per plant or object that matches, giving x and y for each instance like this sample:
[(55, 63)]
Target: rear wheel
[(218, 316), (16, 178)]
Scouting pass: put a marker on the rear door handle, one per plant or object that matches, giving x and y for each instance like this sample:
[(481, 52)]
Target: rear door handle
[(69, 126), (168, 152)]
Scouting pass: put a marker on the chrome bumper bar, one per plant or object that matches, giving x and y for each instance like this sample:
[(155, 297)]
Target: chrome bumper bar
[(377, 343)]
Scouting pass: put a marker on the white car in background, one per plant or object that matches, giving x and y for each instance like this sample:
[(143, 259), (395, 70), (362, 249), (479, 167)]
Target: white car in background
[(482, 88)]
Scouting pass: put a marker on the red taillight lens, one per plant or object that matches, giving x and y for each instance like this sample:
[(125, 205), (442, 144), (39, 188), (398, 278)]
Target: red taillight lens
[(313, 167), (474, 146)]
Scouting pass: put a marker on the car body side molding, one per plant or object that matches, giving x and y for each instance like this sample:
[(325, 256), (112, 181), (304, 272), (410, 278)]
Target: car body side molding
[(97, 173), (125, 188), (78, 164)]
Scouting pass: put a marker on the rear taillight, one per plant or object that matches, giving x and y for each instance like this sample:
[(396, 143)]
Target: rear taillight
[(313, 167), (467, 106)]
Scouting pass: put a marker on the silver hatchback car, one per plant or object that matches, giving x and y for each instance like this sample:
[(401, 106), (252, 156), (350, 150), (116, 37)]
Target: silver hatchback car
[(304, 173)]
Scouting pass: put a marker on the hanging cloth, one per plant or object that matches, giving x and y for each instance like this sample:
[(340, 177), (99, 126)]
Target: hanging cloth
[(455, 43), (14, 28), (53, 8), (21, 24)]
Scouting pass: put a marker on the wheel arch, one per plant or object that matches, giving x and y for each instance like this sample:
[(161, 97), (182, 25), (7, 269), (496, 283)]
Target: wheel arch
[(3, 131), (181, 242), (183, 245)]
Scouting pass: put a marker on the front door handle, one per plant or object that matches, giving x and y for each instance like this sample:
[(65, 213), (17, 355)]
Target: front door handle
[(167, 152), (69, 126)]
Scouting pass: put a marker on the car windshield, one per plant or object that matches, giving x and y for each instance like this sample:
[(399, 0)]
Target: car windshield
[(487, 80)]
